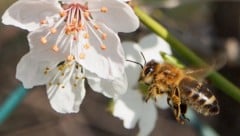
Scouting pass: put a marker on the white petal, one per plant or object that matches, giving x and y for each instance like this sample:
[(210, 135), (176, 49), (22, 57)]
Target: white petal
[(45, 51), (162, 101), (67, 99), (132, 52), (152, 45), (120, 17), (27, 14), (148, 119), (128, 108), (108, 63), (31, 71), (109, 87)]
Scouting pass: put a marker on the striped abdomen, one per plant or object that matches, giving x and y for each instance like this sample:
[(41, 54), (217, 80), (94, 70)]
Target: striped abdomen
[(198, 96)]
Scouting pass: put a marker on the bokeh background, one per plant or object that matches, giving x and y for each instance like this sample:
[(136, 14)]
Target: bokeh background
[(209, 27)]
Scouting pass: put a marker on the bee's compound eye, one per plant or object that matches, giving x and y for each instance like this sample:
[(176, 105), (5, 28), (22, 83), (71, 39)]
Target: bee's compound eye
[(148, 70)]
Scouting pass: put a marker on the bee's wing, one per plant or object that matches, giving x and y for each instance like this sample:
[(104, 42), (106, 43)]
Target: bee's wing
[(203, 72), (200, 73)]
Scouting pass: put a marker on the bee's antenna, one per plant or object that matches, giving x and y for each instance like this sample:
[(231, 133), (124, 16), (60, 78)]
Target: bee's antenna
[(136, 63), (143, 58)]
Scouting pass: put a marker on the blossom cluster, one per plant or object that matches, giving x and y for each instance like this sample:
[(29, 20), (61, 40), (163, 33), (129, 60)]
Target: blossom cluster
[(70, 41)]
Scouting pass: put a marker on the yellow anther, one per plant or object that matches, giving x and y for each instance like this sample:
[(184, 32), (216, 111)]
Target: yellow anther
[(55, 48), (86, 14), (43, 40), (70, 57), (96, 26), (75, 85), (104, 9), (86, 35), (103, 47), (62, 14), (87, 46), (53, 30), (49, 83), (74, 21), (82, 56), (42, 22), (104, 36)]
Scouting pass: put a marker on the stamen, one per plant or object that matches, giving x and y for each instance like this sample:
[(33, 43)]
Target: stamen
[(43, 40), (53, 30), (62, 14), (103, 47), (82, 56), (86, 14), (96, 26), (104, 9), (104, 36), (55, 48), (86, 35), (87, 46), (70, 57), (42, 22)]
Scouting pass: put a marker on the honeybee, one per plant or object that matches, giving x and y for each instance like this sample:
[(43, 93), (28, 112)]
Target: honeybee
[(182, 89)]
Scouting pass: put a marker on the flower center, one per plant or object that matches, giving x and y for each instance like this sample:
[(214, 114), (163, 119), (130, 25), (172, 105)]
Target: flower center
[(73, 26)]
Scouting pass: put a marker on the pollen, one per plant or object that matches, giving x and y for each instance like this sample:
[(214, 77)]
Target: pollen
[(43, 40), (55, 48), (86, 14), (86, 35), (70, 57), (104, 36), (42, 22), (87, 46), (82, 56), (62, 14), (103, 47), (53, 30), (96, 26), (104, 9)]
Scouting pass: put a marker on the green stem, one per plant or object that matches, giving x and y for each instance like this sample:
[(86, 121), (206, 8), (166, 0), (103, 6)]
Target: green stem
[(217, 79)]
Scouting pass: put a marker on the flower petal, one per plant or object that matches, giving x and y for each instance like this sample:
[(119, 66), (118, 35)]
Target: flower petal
[(132, 52), (152, 45), (107, 63), (126, 20), (31, 71), (148, 119), (27, 14), (67, 99), (128, 108), (108, 87)]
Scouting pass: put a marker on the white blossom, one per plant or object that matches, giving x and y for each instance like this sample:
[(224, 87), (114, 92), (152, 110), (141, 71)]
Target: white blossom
[(83, 30)]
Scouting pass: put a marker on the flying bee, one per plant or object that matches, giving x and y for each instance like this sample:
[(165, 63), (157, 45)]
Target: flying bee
[(181, 88)]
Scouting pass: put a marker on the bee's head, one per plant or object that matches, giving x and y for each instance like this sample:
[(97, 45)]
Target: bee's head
[(146, 75)]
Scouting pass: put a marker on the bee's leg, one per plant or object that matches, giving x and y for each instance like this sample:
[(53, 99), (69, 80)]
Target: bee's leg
[(176, 105), (183, 107), (168, 102), (153, 91)]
